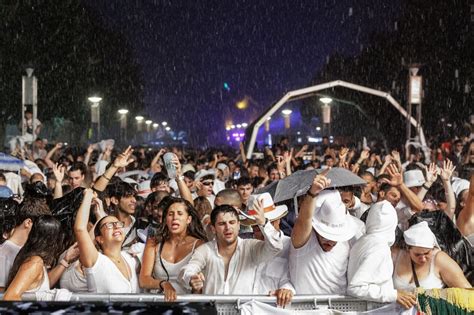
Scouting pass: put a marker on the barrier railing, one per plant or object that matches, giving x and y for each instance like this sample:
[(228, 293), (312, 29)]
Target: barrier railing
[(230, 304)]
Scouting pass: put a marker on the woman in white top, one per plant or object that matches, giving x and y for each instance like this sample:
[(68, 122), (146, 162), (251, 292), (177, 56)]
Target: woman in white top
[(423, 264), (28, 273), (111, 271), (171, 247)]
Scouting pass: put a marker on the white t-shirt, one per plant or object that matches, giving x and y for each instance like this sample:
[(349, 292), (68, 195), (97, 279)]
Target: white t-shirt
[(8, 252), (105, 277), (314, 271)]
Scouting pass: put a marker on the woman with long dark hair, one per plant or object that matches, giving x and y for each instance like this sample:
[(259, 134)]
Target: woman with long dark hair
[(41, 250), (171, 248)]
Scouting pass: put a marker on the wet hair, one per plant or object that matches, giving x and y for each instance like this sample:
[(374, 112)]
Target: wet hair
[(222, 209), (194, 229), (230, 196), (272, 167), (8, 213), (202, 206), (45, 240), (243, 181), (157, 179), (31, 208), (121, 189), (189, 174), (78, 166)]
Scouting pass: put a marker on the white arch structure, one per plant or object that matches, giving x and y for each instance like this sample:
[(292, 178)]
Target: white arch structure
[(308, 91)]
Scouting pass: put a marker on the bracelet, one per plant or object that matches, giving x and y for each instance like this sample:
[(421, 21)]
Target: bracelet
[(103, 175), (64, 263), (161, 285), (425, 187), (309, 193)]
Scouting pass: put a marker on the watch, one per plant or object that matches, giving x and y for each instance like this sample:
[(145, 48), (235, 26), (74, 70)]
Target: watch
[(180, 178)]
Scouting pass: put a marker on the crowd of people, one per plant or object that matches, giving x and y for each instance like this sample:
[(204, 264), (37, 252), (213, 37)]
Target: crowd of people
[(100, 220)]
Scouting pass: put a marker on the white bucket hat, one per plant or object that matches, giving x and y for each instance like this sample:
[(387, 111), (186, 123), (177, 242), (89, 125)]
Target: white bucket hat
[(203, 173), (413, 178), (271, 212), (331, 219)]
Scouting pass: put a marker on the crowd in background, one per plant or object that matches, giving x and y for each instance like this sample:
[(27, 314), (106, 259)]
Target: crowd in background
[(104, 220)]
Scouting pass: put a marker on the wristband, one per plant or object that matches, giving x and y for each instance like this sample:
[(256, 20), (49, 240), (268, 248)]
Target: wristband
[(103, 175), (64, 263), (309, 193), (425, 187)]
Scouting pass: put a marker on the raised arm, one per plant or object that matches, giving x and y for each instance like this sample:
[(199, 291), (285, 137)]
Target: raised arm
[(397, 180), (431, 176), (446, 174), (58, 171), (465, 221), (303, 227), (184, 191), (71, 255), (88, 252), (50, 154), (121, 161)]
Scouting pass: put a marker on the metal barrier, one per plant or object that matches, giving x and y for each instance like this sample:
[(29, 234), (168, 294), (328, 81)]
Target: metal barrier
[(230, 304)]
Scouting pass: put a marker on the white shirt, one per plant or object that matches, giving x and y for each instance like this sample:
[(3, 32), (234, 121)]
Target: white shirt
[(314, 271), (242, 265), (105, 277), (275, 274), (8, 252)]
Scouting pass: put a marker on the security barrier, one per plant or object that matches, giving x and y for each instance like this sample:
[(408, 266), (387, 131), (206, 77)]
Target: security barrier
[(230, 304)]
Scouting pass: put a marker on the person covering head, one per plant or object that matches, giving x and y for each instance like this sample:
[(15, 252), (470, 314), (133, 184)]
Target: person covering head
[(330, 219), (272, 212), (420, 235), (382, 220)]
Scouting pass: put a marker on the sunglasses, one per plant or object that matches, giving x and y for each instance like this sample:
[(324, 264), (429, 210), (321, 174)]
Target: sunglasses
[(110, 225), (208, 183)]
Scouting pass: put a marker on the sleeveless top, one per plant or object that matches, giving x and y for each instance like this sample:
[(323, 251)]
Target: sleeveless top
[(429, 282), (172, 269), (44, 286), (73, 280)]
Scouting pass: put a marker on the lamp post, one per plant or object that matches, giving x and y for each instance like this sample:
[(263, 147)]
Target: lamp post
[(123, 123), (95, 116), (286, 115), (139, 119), (326, 113), (415, 89), (29, 97), (148, 124)]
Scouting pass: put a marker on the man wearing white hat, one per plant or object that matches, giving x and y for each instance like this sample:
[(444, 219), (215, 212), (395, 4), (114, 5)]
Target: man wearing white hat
[(320, 249), (273, 277)]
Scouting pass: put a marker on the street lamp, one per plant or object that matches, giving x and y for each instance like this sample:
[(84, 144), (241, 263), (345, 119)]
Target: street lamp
[(326, 112), (164, 124), (123, 123), (95, 115), (286, 115), (267, 124)]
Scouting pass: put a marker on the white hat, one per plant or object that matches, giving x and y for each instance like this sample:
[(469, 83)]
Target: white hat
[(203, 173), (382, 221), (144, 188), (459, 185), (420, 235), (330, 219), (271, 212), (222, 166), (188, 167), (413, 178), (130, 181), (100, 167)]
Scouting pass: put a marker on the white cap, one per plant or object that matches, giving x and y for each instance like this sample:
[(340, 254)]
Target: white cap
[(413, 178)]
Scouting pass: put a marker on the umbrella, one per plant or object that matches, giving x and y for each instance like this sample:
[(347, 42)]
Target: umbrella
[(298, 183), (10, 163)]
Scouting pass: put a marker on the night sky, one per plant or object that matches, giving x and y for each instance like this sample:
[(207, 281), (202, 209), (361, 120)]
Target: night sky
[(188, 49)]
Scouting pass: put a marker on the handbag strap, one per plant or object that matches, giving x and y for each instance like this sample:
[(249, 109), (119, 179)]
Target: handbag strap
[(415, 277)]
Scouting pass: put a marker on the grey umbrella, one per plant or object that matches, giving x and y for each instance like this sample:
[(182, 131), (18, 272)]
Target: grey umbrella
[(298, 183)]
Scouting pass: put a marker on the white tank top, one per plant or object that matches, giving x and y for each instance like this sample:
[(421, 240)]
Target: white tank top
[(44, 286), (172, 269), (429, 282)]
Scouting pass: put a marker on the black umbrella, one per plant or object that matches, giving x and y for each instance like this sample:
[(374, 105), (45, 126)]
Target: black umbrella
[(298, 183)]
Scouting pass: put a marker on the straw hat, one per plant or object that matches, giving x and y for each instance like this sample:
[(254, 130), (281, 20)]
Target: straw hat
[(271, 212)]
